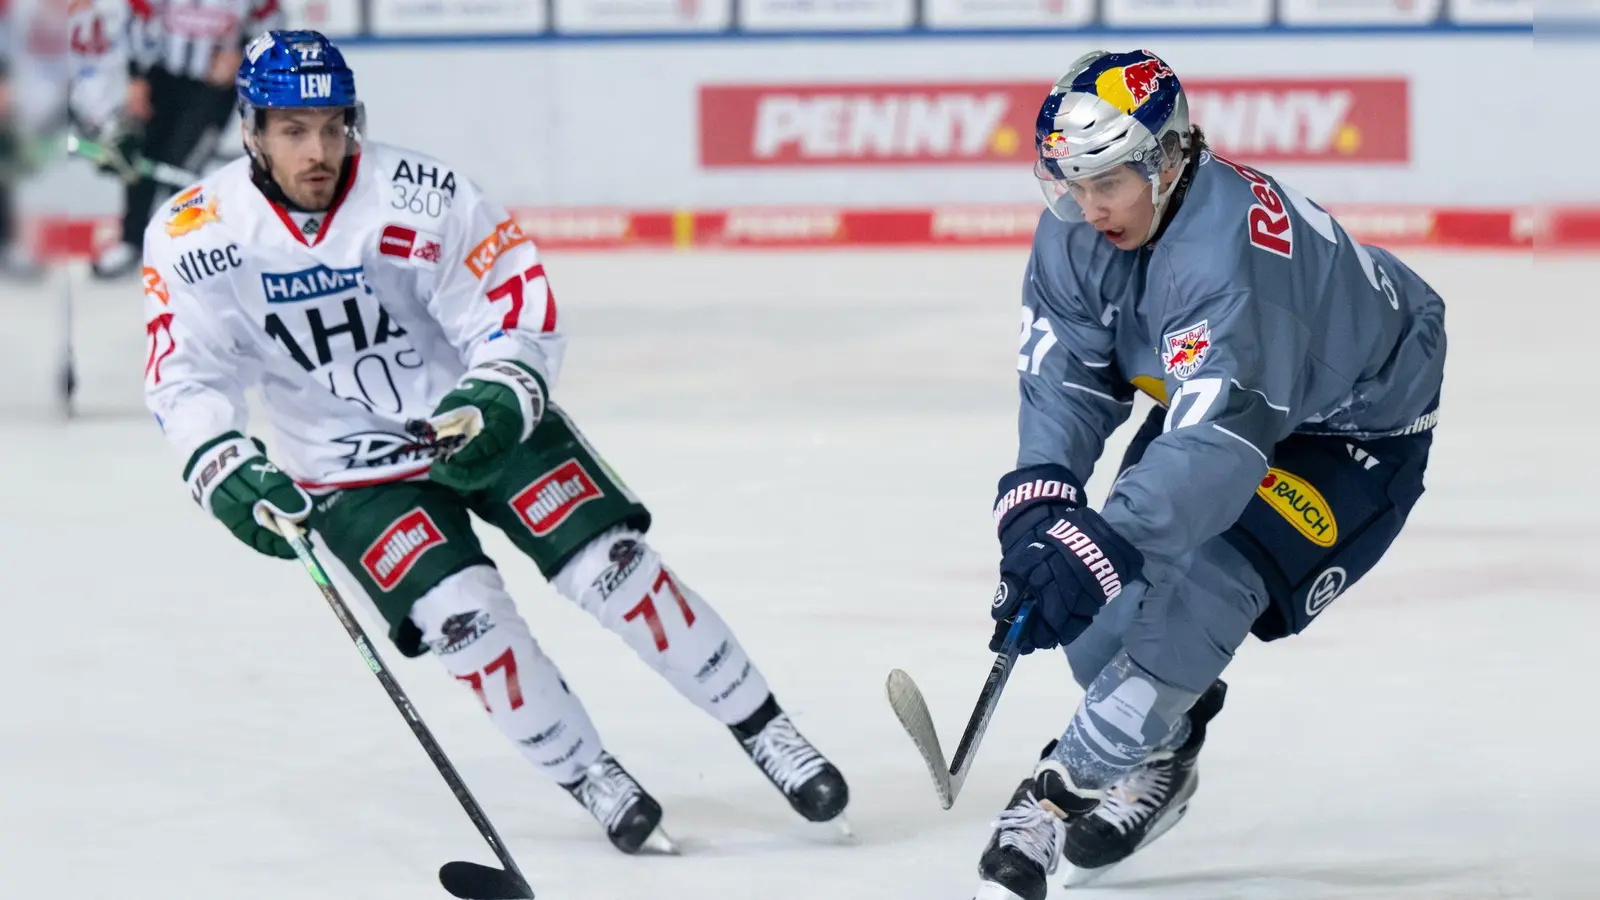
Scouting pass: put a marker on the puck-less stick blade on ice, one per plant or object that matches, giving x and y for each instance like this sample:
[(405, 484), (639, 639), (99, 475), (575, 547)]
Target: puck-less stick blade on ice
[(470, 881), (912, 710)]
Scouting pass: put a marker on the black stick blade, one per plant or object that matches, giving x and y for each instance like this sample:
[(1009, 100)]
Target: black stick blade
[(470, 881)]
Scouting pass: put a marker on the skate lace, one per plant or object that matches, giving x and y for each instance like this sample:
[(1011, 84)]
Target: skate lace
[(607, 791), (1136, 797), (1034, 831), (787, 758)]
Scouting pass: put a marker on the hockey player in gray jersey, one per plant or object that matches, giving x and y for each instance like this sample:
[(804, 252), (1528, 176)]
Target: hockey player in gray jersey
[(1297, 374)]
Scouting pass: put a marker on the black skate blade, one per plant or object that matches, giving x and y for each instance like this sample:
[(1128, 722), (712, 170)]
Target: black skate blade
[(470, 881)]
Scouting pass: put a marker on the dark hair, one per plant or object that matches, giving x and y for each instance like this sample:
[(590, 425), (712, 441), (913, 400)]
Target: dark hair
[(1170, 143)]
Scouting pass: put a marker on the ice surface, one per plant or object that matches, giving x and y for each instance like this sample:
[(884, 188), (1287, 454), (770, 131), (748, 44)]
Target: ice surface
[(819, 436)]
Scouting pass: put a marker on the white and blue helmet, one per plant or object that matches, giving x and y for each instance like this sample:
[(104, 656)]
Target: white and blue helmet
[(1110, 110), (296, 70)]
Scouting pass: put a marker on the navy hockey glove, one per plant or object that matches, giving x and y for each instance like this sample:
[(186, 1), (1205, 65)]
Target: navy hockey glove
[(1061, 552), (232, 478), (507, 397)]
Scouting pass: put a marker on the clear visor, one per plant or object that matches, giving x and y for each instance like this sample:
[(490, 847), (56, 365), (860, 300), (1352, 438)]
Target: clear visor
[(297, 138), (1096, 196)]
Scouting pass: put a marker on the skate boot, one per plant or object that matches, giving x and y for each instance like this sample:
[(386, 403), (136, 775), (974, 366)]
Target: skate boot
[(631, 817), (1026, 846), (1143, 804), (808, 781)]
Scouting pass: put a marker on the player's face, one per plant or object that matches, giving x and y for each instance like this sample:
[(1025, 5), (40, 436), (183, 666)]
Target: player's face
[(304, 150), (1119, 204)]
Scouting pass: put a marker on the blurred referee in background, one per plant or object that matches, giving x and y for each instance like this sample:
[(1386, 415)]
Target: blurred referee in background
[(182, 57)]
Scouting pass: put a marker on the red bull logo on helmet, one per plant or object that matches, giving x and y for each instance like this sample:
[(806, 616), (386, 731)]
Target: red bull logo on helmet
[(1054, 146), (1128, 87), (1185, 350)]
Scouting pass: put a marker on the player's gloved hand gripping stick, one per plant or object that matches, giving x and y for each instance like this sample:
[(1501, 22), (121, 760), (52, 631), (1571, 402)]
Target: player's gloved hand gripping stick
[(1060, 563), (495, 407)]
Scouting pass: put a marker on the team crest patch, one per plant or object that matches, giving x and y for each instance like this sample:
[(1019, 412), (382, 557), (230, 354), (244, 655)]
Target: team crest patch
[(461, 631), (1184, 351)]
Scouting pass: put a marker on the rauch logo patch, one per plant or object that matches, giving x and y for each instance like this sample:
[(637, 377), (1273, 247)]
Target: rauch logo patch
[(1300, 503)]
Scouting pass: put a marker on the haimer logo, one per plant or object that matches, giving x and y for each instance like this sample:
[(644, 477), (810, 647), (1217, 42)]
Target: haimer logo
[(309, 284)]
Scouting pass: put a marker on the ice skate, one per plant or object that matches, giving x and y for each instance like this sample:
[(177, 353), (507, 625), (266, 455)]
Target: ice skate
[(811, 784), (1026, 846), (1142, 805), (631, 817)]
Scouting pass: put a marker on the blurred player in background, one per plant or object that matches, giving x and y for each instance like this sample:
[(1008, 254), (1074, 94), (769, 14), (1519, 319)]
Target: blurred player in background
[(361, 287), (181, 57), (34, 79), (1297, 374)]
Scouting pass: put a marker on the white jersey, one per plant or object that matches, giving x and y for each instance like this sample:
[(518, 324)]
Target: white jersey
[(350, 322), (98, 54)]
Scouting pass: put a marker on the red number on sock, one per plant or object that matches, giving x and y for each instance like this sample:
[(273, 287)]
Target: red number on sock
[(506, 661), (476, 681), (683, 605), (512, 287), (647, 608)]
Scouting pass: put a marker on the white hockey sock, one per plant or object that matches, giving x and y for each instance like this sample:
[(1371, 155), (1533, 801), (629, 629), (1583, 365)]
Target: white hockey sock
[(620, 580), (470, 623)]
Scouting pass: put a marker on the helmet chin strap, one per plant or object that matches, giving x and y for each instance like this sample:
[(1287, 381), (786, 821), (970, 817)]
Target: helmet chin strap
[(1162, 196)]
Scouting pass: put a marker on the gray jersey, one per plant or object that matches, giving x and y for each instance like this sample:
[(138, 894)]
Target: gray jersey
[(1252, 317)]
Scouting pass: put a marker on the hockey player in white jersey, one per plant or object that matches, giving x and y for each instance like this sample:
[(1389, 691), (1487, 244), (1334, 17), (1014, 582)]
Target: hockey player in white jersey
[(362, 286)]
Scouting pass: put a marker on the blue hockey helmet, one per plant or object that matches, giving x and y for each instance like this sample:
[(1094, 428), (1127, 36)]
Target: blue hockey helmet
[(1110, 111), (296, 70)]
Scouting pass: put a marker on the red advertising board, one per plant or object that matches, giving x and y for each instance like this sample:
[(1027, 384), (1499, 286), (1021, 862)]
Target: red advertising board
[(1329, 120), (1559, 229)]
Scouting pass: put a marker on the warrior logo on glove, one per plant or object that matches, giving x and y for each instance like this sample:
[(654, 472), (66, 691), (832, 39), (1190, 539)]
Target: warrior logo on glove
[(1037, 489), (1001, 595), (1084, 547)]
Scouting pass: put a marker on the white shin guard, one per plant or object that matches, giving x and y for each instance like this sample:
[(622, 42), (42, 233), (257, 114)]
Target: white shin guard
[(470, 623), (620, 580)]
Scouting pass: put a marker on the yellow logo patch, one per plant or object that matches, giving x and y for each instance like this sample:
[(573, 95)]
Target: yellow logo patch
[(190, 212), (1300, 503)]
